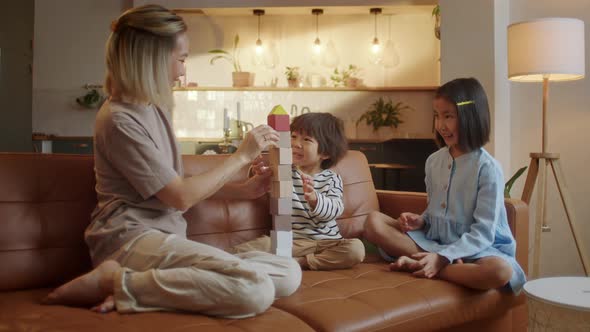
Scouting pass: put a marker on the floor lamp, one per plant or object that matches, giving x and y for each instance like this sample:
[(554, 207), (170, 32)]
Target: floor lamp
[(543, 50)]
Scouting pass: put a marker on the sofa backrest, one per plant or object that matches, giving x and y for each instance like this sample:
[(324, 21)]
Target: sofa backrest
[(45, 205), (46, 201), (228, 223)]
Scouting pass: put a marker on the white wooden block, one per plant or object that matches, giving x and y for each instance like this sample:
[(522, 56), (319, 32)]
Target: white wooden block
[(280, 156), (282, 173), (281, 223), (283, 252), (285, 139), (280, 189), (281, 206), (281, 241)]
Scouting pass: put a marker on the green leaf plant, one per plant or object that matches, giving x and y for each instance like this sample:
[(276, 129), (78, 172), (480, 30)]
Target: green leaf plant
[(383, 114), (292, 73), (511, 181), (92, 99), (232, 58), (339, 77)]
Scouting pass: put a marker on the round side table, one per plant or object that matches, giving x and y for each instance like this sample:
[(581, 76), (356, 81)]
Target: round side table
[(559, 304)]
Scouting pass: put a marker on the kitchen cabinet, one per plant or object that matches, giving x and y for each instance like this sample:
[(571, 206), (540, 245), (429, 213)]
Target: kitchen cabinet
[(397, 164), (59, 144)]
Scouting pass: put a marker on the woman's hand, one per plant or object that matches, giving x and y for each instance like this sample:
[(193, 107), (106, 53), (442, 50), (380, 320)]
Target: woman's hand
[(410, 222), (431, 263), (256, 141), (259, 179), (308, 191), (259, 167), (257, 185)]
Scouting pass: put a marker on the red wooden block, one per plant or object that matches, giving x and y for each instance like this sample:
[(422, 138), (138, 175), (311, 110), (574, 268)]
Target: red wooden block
[(279, 122)]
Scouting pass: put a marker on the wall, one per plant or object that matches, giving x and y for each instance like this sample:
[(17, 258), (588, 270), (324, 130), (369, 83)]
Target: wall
[(568, 118), (16, 25), (200, 114), (69, 52), (291, 36), (473, 40), (284, 3), (470, 49)]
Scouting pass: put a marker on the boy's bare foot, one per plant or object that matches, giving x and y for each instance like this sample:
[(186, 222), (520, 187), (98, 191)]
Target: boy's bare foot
[(302, 262), (405, 264), (86, 290)]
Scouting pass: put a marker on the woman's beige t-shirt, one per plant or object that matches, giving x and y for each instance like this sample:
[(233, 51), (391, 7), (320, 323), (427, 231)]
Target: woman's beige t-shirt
[(135, 156)]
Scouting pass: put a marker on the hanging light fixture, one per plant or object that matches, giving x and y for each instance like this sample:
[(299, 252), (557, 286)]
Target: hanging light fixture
[(317, 45), (375, 56), (259, 49), (390, 55)]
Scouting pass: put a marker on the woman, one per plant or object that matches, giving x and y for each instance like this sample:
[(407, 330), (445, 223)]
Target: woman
[(137, 237)]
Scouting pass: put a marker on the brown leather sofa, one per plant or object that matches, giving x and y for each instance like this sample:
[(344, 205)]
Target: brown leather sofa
[(45, 204)]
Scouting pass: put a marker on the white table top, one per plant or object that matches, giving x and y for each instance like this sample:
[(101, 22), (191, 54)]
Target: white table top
[(567, 292)]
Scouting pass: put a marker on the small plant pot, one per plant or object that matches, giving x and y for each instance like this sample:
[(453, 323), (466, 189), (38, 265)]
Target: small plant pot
[(293, 83), (242, 79), (353, 82), (384, 133)]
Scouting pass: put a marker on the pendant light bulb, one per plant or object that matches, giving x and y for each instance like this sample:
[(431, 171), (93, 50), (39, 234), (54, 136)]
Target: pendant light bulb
[(317, 45), (376, 46), (375, 55), (258, 49)]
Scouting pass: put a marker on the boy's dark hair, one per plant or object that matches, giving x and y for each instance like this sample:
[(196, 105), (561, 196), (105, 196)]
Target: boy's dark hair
[(328, 130), (473, 112)]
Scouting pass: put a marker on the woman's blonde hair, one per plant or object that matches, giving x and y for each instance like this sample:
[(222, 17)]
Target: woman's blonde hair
[(138, 54)]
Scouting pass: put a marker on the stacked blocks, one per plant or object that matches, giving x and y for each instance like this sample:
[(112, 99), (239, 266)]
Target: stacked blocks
[(281, 206)]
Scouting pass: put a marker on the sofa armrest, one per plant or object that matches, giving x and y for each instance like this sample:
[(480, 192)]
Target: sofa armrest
[(393, 203), (518, 220)]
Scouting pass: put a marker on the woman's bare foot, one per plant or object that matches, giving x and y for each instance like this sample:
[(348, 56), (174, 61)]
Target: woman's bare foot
[(86, 290), (405, 264), (107, 305)]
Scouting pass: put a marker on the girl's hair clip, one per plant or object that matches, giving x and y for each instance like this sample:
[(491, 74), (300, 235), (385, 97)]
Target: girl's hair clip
[(467, 102)]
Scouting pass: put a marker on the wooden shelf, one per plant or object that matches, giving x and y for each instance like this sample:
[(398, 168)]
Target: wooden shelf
[(392, 137), (306, 89), (49, 137)]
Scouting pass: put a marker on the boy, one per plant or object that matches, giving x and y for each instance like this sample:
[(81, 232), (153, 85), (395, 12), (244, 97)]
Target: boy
[(318, 143)]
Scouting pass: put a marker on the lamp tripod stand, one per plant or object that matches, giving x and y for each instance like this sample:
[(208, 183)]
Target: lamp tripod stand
[(539, 166)]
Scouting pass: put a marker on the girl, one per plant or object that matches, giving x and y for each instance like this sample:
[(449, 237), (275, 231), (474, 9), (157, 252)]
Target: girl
[(137, 237), (465, 221)]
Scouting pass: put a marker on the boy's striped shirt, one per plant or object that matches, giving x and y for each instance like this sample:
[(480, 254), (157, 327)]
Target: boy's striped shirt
[(319, 224)]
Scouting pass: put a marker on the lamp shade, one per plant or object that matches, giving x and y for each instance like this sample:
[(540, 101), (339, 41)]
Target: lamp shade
[(547, 47)]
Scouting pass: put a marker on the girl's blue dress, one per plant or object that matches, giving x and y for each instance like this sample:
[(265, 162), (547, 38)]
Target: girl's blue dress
[(466, 217)]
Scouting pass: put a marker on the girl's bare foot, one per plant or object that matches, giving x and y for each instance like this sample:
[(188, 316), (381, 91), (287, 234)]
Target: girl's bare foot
[(86, 290), (405, 264)]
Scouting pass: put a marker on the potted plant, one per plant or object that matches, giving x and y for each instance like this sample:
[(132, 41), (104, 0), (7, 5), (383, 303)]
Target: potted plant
[(436, 14), (240, 78), (383, 114), (293, 76), (91, 100), (346, 77)]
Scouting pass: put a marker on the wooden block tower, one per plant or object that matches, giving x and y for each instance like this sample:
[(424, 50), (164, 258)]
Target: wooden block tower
[(281, 193)]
